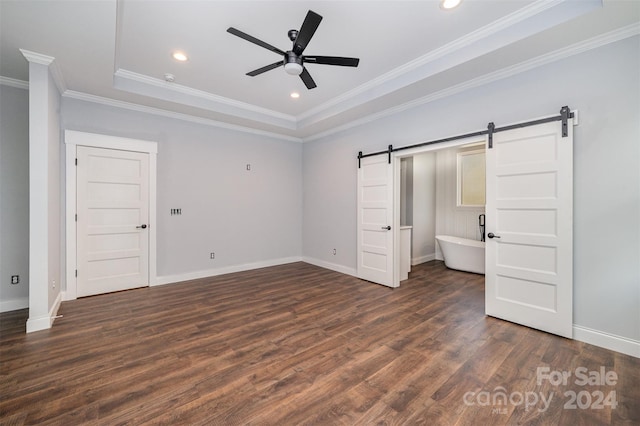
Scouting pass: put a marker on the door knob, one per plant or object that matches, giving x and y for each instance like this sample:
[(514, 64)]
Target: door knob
[(492, 235), (143, 226), (388, 227)]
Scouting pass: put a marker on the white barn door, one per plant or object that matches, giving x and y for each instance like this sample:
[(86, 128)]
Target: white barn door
[(529, 211), (375, 216), (112, 220)]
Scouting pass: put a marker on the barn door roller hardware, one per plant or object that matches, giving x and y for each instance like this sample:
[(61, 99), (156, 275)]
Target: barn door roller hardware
[(565, 115), (490, 129)]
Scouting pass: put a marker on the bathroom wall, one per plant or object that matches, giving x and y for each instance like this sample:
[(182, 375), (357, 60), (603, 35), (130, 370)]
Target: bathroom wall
[(450, 218), (424, 208), (406, 191)]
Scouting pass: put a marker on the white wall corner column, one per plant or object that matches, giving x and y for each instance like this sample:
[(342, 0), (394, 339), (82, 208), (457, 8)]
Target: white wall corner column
[(44, 192)]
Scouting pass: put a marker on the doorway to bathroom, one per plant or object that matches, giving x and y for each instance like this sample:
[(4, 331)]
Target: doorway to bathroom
[(442, 192), (529, 214)]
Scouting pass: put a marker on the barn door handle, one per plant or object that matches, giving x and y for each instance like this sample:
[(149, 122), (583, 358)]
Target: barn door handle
[(143, 226), (492, 235), (388, 227)]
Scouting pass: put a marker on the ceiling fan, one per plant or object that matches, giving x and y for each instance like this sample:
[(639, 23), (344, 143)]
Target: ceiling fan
[(293, 60)]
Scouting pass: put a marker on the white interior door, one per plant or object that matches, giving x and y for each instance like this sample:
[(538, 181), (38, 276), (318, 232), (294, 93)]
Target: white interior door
[(112, 220), (375, 216), (529, 209)]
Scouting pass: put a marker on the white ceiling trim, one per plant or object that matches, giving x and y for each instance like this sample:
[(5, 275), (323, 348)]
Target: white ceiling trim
[(529, 20), (49, 61), (71, 94), (12, 82), (160, 89), (537, 16), (445, 50), (153, 87), (556, 55), (595, 42), (37, 58)]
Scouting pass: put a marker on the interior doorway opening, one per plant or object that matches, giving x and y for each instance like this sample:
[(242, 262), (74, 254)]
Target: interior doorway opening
[(428, 184)]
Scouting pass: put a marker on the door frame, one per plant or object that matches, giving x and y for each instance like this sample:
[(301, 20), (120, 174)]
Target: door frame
[(396, 158), (72, 139)]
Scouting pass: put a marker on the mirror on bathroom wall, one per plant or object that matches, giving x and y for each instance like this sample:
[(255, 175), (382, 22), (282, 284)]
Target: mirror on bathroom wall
[(471, 178)]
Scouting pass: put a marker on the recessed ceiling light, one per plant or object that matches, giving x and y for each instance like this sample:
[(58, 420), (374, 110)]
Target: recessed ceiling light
[(449, 4), (179, 56), (295, 95)]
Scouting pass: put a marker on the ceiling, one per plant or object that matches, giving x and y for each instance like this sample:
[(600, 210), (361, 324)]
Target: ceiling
[(118, 52)]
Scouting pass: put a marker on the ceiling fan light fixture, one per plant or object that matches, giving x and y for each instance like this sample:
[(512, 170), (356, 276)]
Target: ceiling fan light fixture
[(449, 4), (293, 60), (293, 63), (293, 68)]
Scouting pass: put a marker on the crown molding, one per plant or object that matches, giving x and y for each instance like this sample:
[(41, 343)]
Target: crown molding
[(71, 94), (50, 62), (37, 58), (533, 18), (530, 19), (12, 82), (160, 89), (559, 54)]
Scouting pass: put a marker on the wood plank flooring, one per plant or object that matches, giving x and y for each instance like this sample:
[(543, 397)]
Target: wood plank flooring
[(297, 344)]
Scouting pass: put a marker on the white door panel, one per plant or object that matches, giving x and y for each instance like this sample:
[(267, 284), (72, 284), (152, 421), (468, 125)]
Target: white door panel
[(112, 206), (375, 208), (529, 275)]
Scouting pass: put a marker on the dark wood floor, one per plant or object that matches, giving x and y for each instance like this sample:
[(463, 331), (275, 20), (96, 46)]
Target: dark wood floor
[(297, 344)]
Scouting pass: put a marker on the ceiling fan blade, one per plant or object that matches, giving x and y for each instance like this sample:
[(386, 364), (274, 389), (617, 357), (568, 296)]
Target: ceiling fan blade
[(254, 40), (265, 68), (309, 27), (332, 60), (306, 78)]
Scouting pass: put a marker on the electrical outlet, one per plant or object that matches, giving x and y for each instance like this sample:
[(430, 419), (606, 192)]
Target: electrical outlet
[(212, 255), (334, 252), (248, 167), (15, 279)]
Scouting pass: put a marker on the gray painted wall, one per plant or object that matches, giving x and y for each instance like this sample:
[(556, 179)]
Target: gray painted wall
[(14, 200), (245, 217), (604, 85)]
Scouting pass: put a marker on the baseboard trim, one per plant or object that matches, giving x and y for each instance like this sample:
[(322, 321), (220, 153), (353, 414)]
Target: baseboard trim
[(422, 259), (332, 266), (608, 341), (43, 323), (176, 278), (14, 304)]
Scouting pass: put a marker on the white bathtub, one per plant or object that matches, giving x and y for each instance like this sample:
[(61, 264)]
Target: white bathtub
[(462, 254)]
